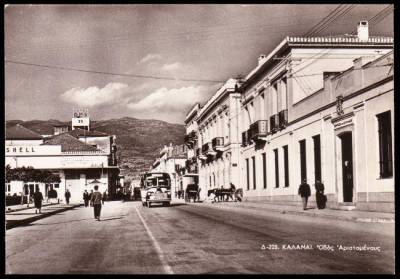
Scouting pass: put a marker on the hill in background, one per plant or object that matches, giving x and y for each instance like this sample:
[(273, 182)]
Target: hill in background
[(138, 140)]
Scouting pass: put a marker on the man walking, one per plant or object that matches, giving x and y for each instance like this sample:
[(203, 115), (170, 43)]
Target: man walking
[(96, 201), (37, 199), (86, 198), (67, 196), (304, 192)]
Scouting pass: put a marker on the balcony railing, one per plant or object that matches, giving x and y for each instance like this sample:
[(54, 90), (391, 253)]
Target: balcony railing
[(259, 129), (274, 123), (217, 143), (283, 119)]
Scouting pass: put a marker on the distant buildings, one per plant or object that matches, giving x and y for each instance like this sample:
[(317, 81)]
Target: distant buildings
[(315, 108), (172, 161), (82, 158)]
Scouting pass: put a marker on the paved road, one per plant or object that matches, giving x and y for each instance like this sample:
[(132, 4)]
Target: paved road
[(194, 239)]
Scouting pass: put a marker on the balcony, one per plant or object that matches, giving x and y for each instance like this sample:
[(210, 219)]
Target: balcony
[(259, 129), (207, 149), (283, 119), (217, 143), (274, 123), (204, 148)]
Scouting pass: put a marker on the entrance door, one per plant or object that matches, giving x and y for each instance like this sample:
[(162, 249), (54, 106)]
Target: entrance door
[(347, 166)]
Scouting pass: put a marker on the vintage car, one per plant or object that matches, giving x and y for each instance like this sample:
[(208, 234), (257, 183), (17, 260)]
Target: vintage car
[(154, 195)]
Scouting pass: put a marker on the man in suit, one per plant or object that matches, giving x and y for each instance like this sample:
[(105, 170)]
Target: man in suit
[(304, 192), (86, 198), (96, 200)]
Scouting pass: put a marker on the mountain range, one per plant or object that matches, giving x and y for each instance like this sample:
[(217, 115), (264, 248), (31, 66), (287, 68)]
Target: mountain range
[(138, 140)]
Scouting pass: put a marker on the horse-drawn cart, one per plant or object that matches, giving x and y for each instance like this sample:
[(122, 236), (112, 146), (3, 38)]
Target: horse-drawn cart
[(192, 192)]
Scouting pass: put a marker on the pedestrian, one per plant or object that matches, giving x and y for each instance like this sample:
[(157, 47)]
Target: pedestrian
[(104, 196), (304, 192), (90, 194), (67, 196), (86, 198), (96, 201), (37, 199), (319, 194)]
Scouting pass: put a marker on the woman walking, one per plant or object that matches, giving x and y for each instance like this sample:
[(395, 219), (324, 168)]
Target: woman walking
[(37, 199)]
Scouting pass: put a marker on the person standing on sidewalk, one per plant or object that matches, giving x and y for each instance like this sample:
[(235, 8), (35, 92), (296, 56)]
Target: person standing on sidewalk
[(96, 201), (86, 198), (37, 199), (304, 192), (319, 194), (67, 196)]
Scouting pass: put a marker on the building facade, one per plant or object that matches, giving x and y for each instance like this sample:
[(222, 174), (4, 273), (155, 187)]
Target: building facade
[(318, 108), (172, 160), (80, 161), (219, 139)]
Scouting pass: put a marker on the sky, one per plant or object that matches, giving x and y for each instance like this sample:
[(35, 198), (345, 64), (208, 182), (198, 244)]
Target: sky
[(186, 52)]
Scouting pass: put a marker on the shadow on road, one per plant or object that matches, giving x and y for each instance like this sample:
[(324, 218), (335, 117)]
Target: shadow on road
[(112, 218), (177, 204)]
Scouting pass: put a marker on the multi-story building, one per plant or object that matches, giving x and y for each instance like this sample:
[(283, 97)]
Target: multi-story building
[(219, 139), (315, 108), (191, 139), (291, 130)]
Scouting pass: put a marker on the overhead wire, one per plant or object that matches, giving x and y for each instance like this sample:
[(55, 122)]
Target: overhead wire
[(111, 73), (324, 21)]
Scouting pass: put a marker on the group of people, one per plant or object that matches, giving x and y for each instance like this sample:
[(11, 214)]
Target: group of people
[(95, 198), (305, 192)]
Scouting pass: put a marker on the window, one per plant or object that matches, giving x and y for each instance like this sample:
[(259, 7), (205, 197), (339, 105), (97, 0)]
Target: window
[(253, 159), (303, 161), (274, 98), (283, 93), (317, 157), (210, 181), (248, 174), (385, 145), (276, 168), (8, 187), (214, 179), (264, 165), (286, 164), (92, 174), (262, 107)]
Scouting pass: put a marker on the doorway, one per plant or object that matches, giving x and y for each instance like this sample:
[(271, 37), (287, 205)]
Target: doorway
[(347, 166)]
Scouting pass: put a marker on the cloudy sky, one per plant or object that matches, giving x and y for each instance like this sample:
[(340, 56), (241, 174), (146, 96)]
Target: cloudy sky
[(181, 53)]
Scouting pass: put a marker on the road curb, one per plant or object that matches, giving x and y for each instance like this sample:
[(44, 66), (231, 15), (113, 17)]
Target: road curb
[(324, 216), (24, 208), (15, 223)]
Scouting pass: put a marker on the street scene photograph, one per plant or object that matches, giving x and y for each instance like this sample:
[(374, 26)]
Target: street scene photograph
[(199, 139)]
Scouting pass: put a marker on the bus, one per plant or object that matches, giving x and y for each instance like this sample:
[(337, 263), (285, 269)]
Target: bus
[(156, 188)]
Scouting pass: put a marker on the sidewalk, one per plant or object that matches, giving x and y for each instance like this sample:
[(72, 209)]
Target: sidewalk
[(353, 215), (23, 216), (18, 207)]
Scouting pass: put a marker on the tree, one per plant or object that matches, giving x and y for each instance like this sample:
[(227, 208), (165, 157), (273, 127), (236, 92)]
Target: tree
[(29, 174)]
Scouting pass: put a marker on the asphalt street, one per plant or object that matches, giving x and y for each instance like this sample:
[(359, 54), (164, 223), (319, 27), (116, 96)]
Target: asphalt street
[(200, 238)]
